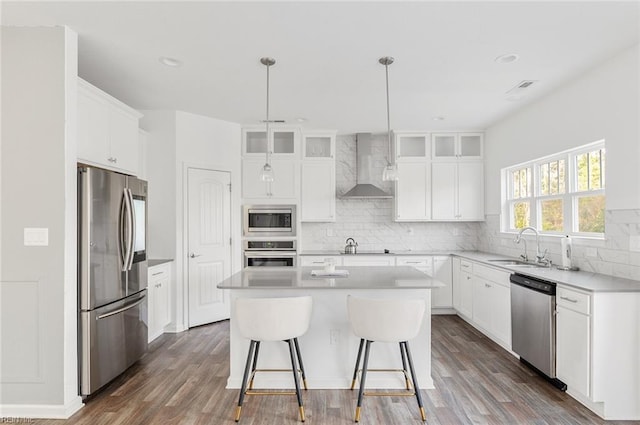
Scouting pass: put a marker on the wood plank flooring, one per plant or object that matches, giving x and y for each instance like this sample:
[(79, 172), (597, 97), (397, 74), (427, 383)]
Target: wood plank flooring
[(182, 381)]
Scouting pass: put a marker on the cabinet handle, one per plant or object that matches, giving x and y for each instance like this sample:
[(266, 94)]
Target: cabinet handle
[(468, 277), (317, 262), (464, 266), (413, 262), (156, 274), (486, 285), (571, 300), (115, 160)]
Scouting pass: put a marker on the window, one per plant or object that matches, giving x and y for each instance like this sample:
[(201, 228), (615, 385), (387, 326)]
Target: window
[(561, 194)]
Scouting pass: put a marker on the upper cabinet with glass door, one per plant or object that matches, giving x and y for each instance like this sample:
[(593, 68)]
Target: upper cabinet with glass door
[(457, 145), (411, 146), (281, 141), (319, 145)]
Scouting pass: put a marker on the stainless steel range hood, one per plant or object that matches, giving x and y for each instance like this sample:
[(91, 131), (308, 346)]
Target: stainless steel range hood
[(364, 189)]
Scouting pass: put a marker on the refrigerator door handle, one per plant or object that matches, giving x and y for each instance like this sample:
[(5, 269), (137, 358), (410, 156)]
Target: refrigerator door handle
[(125, 230), (132, 228), (120, 310)]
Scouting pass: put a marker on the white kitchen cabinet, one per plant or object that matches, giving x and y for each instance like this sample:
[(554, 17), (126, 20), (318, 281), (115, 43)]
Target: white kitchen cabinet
[(457, 145), (143, 145), (319, 146), (463, 289), (413, 197), (284, 185), (158, 298), (107, 131), (282, 141), (318, 261), (573, 333), (457, 191), (368, 260), (492, 302), (411, 146), (318, 191), (442, 297)]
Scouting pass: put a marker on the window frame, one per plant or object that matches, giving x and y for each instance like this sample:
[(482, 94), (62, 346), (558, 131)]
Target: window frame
[(570, 197)]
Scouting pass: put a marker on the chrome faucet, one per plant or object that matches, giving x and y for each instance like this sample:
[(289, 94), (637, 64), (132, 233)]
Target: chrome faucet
[(540, 257)]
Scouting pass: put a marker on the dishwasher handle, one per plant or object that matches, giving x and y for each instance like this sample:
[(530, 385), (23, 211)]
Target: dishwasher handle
[(534, 284)]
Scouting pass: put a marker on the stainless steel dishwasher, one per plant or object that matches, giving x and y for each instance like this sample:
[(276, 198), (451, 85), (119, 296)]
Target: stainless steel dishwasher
[(533, 325)]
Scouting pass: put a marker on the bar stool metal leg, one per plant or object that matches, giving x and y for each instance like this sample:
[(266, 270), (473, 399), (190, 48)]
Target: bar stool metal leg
[(365, 363), (355, 370), (294, 367), (404, 367), (304, 376), (243, 387), (415, 380), (255, 363)]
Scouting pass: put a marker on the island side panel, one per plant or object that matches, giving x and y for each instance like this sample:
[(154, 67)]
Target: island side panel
[(329, 348)]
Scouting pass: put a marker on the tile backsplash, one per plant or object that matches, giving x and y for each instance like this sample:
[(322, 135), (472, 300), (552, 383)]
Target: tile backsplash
[(616, 255)]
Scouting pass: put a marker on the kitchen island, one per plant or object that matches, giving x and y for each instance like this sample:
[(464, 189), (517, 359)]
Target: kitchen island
[(329, 348)]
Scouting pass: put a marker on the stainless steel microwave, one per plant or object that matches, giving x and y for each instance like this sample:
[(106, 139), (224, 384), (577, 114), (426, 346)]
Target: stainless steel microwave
[(269, 220)]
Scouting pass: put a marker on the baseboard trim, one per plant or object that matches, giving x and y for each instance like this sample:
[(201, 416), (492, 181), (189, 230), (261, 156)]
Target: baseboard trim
[(40, 411)]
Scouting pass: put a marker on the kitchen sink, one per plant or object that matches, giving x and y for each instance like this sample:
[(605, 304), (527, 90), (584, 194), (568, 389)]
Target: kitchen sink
[(516, 263), (506, 262)]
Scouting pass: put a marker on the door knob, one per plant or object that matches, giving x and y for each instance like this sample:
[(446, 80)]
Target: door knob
[(194, 255)]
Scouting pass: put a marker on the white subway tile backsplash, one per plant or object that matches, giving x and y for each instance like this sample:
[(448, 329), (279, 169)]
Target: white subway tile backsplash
[(618, 254)]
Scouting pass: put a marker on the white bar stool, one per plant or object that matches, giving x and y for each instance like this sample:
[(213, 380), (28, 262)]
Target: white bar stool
[(386, 320), (272, 319)]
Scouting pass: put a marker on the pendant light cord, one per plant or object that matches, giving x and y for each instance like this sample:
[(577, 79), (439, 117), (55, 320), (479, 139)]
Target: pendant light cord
[(386, 69), (267, 121)]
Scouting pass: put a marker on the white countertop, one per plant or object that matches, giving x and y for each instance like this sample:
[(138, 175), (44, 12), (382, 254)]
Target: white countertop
[(586, 281), (401, 277)]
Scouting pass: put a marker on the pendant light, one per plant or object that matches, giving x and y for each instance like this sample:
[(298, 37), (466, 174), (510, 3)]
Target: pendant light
[(266, 174), (390, 172)]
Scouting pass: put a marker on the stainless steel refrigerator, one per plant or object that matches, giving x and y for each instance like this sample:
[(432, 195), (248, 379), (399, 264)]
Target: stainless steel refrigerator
[(112, 274)]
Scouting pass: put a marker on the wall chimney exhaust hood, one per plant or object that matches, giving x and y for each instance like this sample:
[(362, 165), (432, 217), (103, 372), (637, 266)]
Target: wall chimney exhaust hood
[(364, 189)]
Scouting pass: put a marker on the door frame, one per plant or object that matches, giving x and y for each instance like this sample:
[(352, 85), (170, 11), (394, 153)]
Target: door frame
[(183, 252)]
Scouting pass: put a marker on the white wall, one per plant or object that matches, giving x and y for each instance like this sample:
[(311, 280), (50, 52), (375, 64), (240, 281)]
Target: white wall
[(179, 140), (38, 314), (602, 104)]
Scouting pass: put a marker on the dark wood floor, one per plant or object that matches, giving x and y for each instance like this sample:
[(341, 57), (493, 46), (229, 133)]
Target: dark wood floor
[(182, 381)]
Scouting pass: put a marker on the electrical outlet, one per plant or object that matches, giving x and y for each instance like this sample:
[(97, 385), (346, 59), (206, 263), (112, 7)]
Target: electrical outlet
[(334, 336)]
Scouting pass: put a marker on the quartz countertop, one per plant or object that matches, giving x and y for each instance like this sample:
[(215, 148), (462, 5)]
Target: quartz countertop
[(586, 281), (401, 277), (157, 262), (379, 252)]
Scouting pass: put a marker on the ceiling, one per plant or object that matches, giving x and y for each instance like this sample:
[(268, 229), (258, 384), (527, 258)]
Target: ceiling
[(327, 69)]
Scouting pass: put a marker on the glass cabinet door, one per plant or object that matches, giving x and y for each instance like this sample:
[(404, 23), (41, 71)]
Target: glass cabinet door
[(318, 145), (470, 145), (411, 146), (255, 142), (283, 141), (444, 145)]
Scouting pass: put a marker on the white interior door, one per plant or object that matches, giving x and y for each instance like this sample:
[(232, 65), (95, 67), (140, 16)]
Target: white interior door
[(209, 248)]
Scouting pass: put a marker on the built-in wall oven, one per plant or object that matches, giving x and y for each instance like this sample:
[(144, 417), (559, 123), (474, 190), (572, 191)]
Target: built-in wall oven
[(269, 220), (270, 253)]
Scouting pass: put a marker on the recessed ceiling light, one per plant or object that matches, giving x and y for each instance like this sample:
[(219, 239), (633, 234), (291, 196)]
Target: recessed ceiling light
[(438, 118), (508, 58), (172, 62)]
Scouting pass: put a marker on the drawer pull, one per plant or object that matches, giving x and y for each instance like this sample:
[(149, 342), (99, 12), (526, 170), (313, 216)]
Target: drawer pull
[(317, 262), (413, 262), (464, 266), (571, 300), (156, 273)]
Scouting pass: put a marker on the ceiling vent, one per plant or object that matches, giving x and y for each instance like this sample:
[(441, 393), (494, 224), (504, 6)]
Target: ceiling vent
[(521, 87)]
